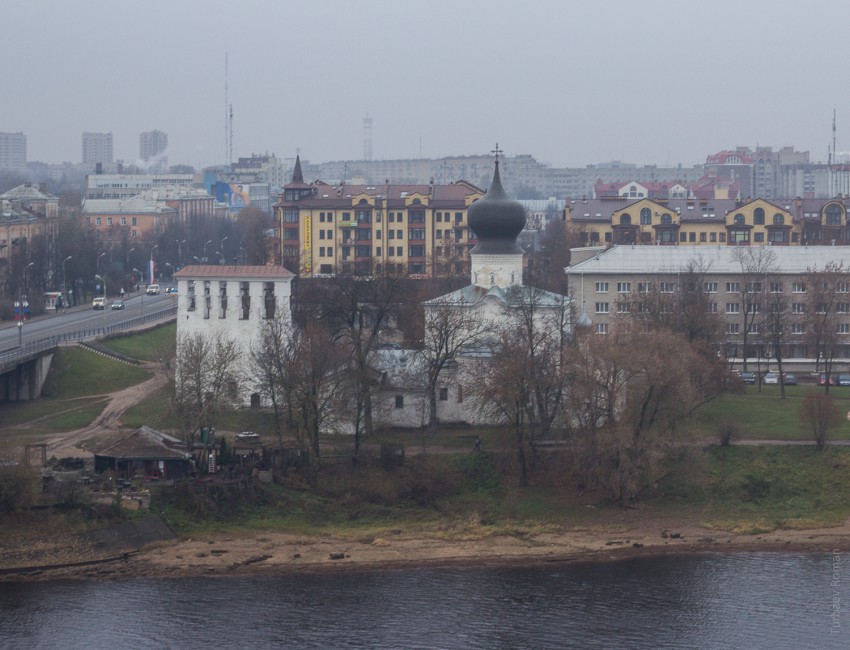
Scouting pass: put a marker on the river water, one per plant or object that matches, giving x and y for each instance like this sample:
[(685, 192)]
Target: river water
[(775, 601)]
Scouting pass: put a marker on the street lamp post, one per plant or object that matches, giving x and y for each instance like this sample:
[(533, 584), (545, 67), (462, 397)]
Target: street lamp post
[(221, 246), (64, 284), (168, 264), (180, 251), (206, 243), (137, 271), (127, 265)]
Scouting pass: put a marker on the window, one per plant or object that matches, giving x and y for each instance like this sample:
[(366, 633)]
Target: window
[(842, 287), (778, 220), (623, 307), (399, 234), (290, 216), (644, 287), (842, 308), (739, 236), (391, 234), (798, 287), (363, 216), (798, 308), (666, 218), (666, 287), (754, 328), (692, 237), (321, 234), (754, 287), (601, 328), (290, 234), (758, 216), (733, 328), (399, 401), (712, 237), (601, 307), (710, 287), (844, 328), (758, 237), (444, 394), (712, 308), (739, 218), (416, 217), (362, 251), (733, 287), (733, 308), (625, 220), (416, 233), (775, 287), (667, 236), (645, 217), (702, 237), (752, 308), (833, 214), (624, 287), (417, 250), (601, 287), (798, 328)]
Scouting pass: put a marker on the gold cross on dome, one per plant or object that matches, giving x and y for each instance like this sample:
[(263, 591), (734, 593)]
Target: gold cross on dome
[(496, 152)]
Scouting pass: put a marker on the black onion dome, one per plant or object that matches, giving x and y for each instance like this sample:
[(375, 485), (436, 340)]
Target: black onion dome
[(496, 220)]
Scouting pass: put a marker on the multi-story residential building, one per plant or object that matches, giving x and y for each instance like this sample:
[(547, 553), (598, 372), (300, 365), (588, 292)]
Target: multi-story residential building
[(615, 283), (26, 213), (416, 229), (97, 148), (13, 152), (122, 220), (622, 220), (153, 146)]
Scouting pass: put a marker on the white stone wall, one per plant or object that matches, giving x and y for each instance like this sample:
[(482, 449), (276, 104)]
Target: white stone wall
[(230, 322), (496, 270)]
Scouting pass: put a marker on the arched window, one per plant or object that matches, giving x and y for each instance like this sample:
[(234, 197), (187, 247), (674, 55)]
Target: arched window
[(778, 220), (625, 220), (666, 218), (645, 217), (758, 216), (739, 218), (833, 214)]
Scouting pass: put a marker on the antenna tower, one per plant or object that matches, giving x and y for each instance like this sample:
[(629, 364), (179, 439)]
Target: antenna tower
[(367, 138), (226, 113)]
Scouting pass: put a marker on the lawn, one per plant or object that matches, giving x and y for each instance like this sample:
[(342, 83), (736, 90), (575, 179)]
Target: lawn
[(759, 489), (75, 372), (765, 415), (152, 345)]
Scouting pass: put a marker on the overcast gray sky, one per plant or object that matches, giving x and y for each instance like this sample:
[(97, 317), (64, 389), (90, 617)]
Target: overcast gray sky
[(572, 83)]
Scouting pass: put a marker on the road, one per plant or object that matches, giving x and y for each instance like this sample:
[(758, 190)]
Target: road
[(80, 318)]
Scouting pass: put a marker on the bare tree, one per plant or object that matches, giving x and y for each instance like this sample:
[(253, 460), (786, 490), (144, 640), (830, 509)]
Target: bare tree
[(777, 321), (757, 263), (206, 378), (630, 400), (450, 327), (359, 312), (820, 415), (822, 312)]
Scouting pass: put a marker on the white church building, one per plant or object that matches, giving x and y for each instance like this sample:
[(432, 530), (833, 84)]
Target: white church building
[(494, 297)]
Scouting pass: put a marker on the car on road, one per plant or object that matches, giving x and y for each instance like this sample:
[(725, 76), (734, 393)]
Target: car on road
[(822, 379), (748, 377), (171, 290), (771, 378), (844, 380), (790, 379), (117, 304), (152, 290), (98, 303)]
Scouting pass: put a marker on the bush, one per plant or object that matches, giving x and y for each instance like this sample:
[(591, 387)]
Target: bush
[(19, 486), (727, 431)]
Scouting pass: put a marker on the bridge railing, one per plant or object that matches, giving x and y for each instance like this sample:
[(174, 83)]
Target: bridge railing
[(30, 348)]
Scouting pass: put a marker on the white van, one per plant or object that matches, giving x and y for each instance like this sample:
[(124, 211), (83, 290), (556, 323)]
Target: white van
[(152, 290)]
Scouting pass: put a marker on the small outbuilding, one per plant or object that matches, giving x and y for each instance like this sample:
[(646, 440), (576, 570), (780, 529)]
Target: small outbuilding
[(144, 453)]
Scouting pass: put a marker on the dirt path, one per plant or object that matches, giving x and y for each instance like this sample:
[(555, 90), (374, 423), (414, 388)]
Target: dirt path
[(67, 444)]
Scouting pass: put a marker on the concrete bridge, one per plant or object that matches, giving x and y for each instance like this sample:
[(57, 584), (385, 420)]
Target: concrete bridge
[(23, 370)]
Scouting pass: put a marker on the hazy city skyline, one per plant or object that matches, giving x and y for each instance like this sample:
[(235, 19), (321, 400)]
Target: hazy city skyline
[(572, 84)]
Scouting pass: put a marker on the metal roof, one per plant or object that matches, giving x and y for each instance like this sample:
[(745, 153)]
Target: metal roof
[(228, 272), (714, 259)]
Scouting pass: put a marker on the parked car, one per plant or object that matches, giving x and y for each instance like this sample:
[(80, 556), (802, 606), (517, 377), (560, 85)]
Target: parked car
[(844, 380), (789, 379), (748, 377), (98, 303), (248, 436), (152, 290), (822, 379), (771, 378), (117, 304), (171, 290)]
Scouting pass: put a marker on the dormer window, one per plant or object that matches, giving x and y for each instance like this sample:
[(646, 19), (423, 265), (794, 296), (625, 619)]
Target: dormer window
[(739, 218)]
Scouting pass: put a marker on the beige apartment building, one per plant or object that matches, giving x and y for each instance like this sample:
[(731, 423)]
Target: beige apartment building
[(608, 284)]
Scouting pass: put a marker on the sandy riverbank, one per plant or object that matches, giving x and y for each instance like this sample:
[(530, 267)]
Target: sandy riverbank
[(270, 553)]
